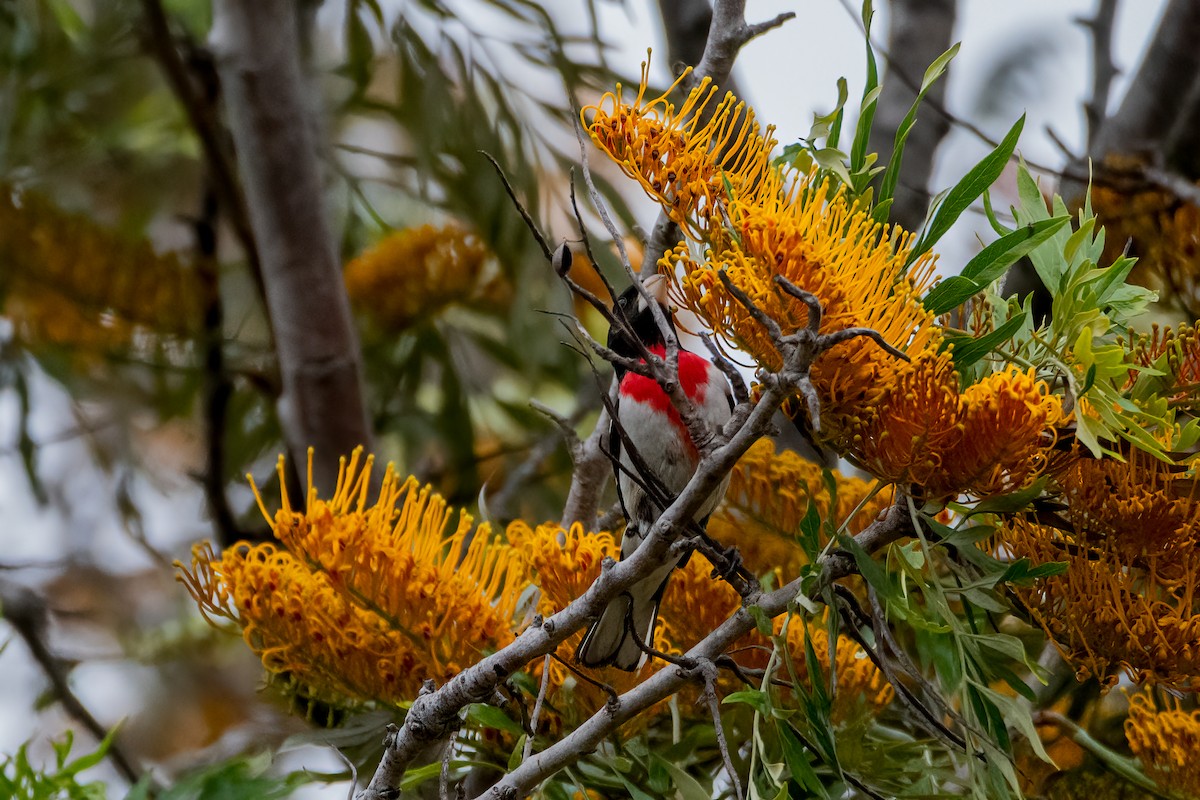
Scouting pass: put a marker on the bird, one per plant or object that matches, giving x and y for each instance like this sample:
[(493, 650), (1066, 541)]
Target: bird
[(644, 412)]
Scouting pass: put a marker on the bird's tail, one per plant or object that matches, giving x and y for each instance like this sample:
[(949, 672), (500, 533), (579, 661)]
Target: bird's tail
[(609, 642)]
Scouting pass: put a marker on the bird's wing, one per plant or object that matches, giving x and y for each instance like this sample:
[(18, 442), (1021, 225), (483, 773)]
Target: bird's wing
[(614, 449)]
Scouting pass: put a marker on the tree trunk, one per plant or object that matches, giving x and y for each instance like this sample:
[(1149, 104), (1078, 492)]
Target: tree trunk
[(257, 48)]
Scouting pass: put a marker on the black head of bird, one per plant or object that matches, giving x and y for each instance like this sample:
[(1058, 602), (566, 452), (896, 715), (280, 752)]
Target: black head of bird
[(633, 306)]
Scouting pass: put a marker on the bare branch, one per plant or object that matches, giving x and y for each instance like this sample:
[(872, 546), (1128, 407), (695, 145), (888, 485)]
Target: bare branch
[(588, 480), (537, 707), (444, 773), (566, 427), (741, 393), (759, 316), (808, 298), (529, 222), (708, 671), (895, 524), (201, 115), (435, 714)]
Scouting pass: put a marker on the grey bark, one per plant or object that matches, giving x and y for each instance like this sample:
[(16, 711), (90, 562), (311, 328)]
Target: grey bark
[(1158, 120), (257, 48), (685, 25), (918, 32), (1146, 121)]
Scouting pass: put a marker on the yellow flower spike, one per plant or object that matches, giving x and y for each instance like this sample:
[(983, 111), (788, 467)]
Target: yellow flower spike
[(1166, 742), (416, 273), (680, 158), (1111, 610), (564, 564), (1002, 448), (769, 494), (363, 602), (904, 436)]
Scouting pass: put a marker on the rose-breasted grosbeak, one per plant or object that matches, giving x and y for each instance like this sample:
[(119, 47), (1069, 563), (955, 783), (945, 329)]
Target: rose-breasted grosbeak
[(658, 434)]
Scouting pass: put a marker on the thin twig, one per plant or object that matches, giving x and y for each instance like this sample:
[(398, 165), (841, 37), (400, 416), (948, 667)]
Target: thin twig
[(26, 612), (529, 222), (894, 524), (537, 708), (1100, 28), (708, 671), (727, 34), (204, 121), (444, 772)]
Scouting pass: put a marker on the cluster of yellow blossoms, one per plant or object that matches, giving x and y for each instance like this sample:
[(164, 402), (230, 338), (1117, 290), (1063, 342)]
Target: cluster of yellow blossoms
[(415, 273), (904, 422), (69, 282), (768, 496), (361, 602), (1167, 743), (1129, 532), (1130, 597), (1157, 226)]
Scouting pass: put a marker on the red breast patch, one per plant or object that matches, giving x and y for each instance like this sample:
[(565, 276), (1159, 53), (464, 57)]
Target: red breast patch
[(693, 379)]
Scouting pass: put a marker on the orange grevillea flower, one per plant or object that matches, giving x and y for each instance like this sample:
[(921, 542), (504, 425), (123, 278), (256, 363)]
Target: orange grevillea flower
[(71, 282), (918, 427), (564, 563), (1130, 597), (1008, 424), (1176, 353), (1143, 509), (687, 158), (1167, 742), (769, 495), (363, 601), (905, 434), (415, 273), (695, 604), (906, 422)]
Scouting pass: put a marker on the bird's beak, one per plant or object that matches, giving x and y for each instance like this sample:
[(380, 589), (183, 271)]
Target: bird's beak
[(656, 286)]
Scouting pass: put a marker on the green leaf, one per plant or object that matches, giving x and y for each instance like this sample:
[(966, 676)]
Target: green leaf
[(762, 621), (968, 350), (796, 758), (486, 716), (968, 190), (810, 532), (688, 787), (1012, 502), (1021, 571), (750, 697), (989, 264), (634, 792), (887, 187)]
